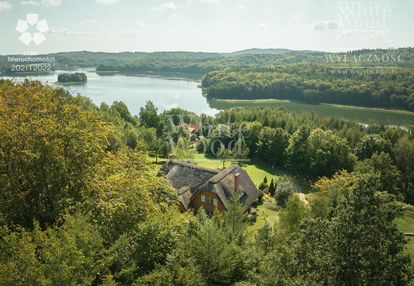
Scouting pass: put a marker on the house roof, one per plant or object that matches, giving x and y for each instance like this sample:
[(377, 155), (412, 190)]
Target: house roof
[(188, 179), (223, 185)]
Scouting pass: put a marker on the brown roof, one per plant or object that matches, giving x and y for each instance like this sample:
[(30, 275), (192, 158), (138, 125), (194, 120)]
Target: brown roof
[(188, 179)]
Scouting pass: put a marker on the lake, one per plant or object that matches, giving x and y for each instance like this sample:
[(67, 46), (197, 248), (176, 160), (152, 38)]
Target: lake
[(135, 91), (168, 93)]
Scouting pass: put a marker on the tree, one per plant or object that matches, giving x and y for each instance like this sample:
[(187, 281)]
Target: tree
[(216, 257), (285, 188), (71, 254), (370, 144), (224, 154), (272, 188), (388, 174), (404, 158), (148, 116), (122, 109), (297, 151), (366, 243), (271, 145), (293, 215), (124, 193), (49, 147), (327, 153), (148, 245)]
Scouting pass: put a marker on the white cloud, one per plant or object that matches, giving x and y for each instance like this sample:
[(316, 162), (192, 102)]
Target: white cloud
[(166, 7), (4, 5), (29, 2), (107, 2), (52, 3), (47, 3), (325, 25), (210, 1), (241, 7)]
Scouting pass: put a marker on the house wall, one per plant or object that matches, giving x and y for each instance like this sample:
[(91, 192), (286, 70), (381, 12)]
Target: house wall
[(197, 202)]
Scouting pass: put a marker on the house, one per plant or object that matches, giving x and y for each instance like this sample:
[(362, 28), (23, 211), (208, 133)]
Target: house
[(198, 187)]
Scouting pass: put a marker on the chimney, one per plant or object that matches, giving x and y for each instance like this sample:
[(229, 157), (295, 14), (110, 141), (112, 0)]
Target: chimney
[(237, 182)]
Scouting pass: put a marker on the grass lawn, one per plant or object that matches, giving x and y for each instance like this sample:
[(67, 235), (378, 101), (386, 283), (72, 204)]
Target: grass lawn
[(256, 171), (406, 224)]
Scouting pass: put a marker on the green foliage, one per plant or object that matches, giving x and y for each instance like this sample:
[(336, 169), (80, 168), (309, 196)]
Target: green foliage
[(272, 188), (388, 174), (313, 83), (285, 188), (366, 243), (370, 144), (271, 145), (71, 78), (404, 157), (49, 147), (293, 215), (327, 154), (124, 193), (148, 115), (79, 181), (147, 245), (71, 254)]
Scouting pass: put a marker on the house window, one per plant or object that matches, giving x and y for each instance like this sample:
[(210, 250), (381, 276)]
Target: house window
[(215, 202), (203, 198)]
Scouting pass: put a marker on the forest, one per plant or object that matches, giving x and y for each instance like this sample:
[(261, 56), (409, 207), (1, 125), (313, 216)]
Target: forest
[(314, 83), (81, 203)]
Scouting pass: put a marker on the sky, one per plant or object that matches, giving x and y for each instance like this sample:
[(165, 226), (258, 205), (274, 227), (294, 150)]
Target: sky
[(205, 25)]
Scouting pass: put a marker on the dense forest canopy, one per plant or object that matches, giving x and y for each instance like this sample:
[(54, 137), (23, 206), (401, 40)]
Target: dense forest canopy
[(314, 83), (82, 205)]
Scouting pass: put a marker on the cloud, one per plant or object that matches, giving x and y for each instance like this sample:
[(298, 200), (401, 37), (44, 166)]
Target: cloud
[(4, 5), (263, 27), (166, 7), (52, 3), (107, 2), (210, 1), (47, 3), (325, 25)]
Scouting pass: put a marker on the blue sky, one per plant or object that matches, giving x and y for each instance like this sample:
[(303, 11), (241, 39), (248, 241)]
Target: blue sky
[(210, 25)]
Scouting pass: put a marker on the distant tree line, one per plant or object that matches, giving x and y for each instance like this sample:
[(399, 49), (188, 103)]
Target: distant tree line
[(314, 83)]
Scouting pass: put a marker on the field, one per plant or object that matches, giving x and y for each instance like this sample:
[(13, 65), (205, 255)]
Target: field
[(406, 224), (256, 171), (353, 113)]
